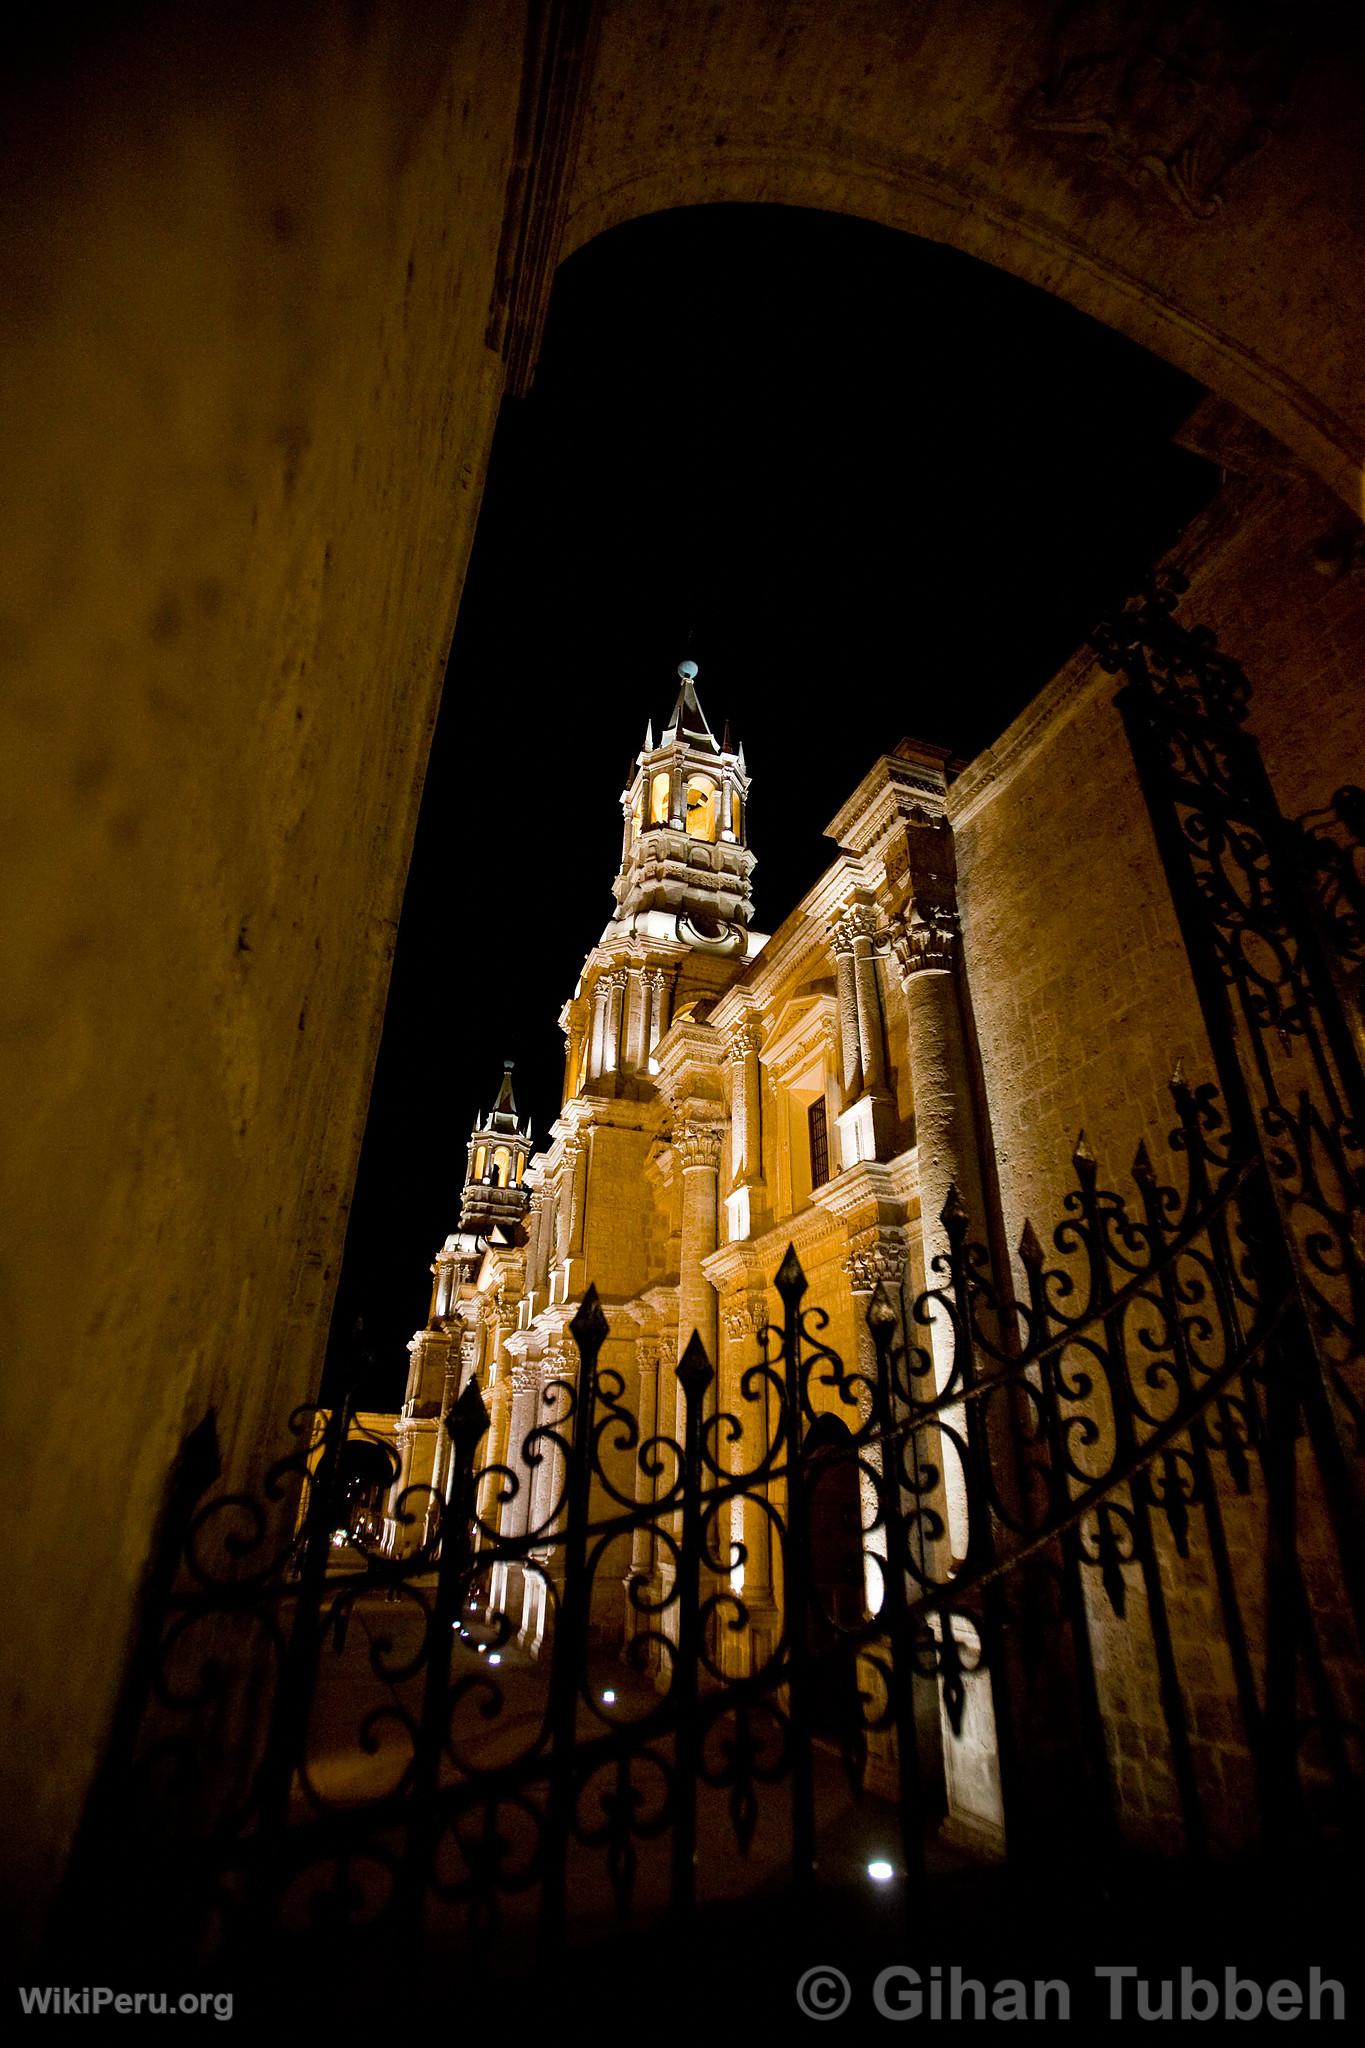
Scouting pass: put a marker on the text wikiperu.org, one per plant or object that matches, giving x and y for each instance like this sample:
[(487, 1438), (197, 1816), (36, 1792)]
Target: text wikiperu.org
[(901, 1992)]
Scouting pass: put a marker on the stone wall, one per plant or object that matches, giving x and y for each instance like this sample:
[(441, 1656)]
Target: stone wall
[(1083, 1001), (1080, 989), (250, 406)]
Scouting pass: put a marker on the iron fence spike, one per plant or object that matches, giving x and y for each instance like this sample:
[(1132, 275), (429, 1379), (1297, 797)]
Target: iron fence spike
[(468, 1419), (589, 1323), (790, 1279), (695, 1370)]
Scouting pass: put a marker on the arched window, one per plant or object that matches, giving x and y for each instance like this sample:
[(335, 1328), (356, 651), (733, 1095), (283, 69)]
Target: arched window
[(701, 807), (480, 1160), (502, 1167), (658, 798), (736, 814)]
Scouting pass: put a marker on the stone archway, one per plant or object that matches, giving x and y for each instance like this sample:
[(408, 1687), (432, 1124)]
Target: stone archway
[(1154, 171)]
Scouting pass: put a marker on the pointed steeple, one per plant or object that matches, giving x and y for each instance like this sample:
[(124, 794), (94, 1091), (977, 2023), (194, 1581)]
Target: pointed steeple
[(688, 721), (505, 1108), (494, 1189)]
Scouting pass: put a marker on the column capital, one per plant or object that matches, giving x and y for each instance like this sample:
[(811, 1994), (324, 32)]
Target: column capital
[(697, 1144), (745, 1314), (926, 939), (746, 1038), (525, 1379), (875, 1255)]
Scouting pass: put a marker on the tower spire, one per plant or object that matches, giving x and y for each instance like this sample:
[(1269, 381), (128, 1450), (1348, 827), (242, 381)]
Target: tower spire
[(688, 722), (494, 1190)]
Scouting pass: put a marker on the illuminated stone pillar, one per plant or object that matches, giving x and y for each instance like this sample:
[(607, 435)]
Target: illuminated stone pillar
[(575, 1182), (597, 1043), (654, 984), (746, 1134), (744, 1317), (871, 1031), (547, 1495), (875, 1256), (945, 1124), (643, 1570), (698, 1147), (611, 1042), (525, 1394), (573, 1055), (850, 1063)]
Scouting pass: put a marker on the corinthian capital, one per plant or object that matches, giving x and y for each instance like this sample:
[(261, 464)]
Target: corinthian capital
[(925, 939), (858, 921), (745, 1315), (697, 1144), (874, 1255), (746, 1038)]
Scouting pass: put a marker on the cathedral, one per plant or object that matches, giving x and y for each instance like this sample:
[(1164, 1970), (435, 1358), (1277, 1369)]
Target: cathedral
[(727, 1093)]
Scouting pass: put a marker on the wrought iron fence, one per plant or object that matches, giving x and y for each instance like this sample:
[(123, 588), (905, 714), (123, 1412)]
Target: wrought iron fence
[(411, 1765)]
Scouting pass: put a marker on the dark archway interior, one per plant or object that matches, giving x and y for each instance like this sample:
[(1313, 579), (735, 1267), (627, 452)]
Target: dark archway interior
[(872, 486)]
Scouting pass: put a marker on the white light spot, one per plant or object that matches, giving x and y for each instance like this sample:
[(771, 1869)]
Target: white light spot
[(609, 1699), (481, 1647), (881, 1872), (495, 1658)]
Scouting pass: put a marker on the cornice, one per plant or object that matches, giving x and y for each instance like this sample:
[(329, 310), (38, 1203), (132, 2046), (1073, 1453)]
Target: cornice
[(913, 778)]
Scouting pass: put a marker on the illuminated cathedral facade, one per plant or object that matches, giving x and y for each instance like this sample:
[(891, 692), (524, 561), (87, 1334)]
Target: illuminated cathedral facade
[(727, 1093)]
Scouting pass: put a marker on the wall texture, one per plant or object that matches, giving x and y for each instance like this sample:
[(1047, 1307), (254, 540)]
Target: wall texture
[(250, 407), (1082, 996)]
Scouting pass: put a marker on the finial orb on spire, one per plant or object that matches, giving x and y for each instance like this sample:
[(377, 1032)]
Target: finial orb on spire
[(688, 671)]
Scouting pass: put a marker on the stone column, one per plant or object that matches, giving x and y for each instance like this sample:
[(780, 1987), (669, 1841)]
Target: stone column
[(597, 1043), (574, 1178), (525, 1394), (850, 1064), (871, 1037), (494, 1449), (875, 1255), (746, 1099), (745, 1318), (945, 1122), (654, 990), (611, 1043), (642, 1545), (546, 1494), (572, 1056), (698, 1148)]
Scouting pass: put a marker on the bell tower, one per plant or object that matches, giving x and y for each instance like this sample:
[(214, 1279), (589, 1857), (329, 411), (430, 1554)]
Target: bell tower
[(685, 861), (681, 929), (499, 1149)]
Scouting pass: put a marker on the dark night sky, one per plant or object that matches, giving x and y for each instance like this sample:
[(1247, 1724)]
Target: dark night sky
[(872, 486)]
